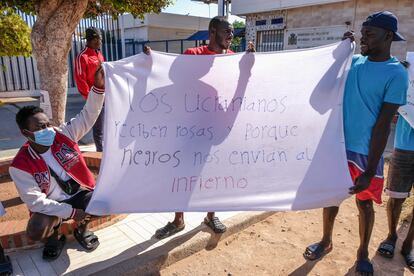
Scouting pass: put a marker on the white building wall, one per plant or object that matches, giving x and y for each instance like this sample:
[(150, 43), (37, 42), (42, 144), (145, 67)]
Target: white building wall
[(167, 20), (177, 21), (137, 33), (243, 7), (163, 26), (333, 18)]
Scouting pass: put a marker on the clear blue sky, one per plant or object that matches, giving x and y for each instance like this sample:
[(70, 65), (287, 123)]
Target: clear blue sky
[(196, 9)]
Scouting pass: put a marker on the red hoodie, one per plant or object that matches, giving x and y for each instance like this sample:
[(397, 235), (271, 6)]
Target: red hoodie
[(86, 64)]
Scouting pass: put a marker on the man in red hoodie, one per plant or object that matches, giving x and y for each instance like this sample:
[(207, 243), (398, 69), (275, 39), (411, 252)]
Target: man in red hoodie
[(86, 64)]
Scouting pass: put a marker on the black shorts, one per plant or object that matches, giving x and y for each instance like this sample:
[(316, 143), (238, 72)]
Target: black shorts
[(80, 200), (401, 174)]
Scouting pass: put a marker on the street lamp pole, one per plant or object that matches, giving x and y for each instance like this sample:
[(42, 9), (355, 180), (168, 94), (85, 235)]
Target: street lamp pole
[(221, 5)]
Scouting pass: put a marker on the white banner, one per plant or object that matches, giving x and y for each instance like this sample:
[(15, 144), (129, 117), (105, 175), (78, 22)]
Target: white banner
[(407, 111), (230, 132)]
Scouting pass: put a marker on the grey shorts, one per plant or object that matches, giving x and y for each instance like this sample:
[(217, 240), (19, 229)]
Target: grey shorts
[(401, 174)]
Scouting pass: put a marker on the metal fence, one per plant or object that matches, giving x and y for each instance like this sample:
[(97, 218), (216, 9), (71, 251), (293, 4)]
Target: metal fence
[(269, 40), (177, 46), (20, 73)]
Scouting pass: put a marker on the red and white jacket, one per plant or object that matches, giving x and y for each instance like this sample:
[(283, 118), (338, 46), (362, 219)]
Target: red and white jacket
[(31, 174), (86, 64)]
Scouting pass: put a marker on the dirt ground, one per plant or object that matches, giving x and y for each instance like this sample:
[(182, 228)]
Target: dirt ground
[(275, 246)]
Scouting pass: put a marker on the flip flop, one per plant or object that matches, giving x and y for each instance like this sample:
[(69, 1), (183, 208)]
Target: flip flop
[(317, 251), (53, 248), (6, 267), (409, 259), (168, 230), (386, 249), (365, 267), (215, 225), (87, 239)]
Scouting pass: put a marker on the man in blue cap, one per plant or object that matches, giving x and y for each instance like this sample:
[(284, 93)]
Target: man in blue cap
[(376, 87)]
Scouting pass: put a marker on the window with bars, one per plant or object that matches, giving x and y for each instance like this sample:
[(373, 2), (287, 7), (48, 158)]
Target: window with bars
[(269, 40)]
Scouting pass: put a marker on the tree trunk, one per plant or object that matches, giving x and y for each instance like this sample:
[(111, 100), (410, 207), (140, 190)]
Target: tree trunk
[(51, 41)]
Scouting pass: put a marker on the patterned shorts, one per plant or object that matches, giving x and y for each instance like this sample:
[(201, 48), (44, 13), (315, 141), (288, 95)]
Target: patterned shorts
[(401, 174)]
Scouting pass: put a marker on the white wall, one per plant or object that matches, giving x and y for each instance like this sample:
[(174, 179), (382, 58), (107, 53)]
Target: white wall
[(167, 20), (137, 33), (177, 21), (242, 7), (158, 33), (163, 26)]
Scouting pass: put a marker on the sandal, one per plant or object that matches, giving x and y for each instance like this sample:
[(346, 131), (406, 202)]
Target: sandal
[(6, 268), (386, 249), (316, 251), (364, 267), (215, 225), (409, 259), (53, 248), (87, 239), (168, 230)]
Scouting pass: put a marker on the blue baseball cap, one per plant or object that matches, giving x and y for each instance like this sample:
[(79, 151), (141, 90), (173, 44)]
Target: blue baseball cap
[(385, 20)]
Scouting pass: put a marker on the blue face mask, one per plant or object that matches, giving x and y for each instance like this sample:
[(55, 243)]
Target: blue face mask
[(44, 137)]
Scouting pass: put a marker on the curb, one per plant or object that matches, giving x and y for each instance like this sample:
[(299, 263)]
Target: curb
[(151, 262)]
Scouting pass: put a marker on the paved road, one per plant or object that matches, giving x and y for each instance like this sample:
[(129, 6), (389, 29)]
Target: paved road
[(10, 137)]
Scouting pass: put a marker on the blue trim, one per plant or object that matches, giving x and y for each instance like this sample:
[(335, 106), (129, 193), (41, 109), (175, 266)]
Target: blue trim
[(361, 161), (203, 35), (200, 35)]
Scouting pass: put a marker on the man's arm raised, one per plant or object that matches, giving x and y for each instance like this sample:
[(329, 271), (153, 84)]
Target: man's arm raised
[(78, 126)]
